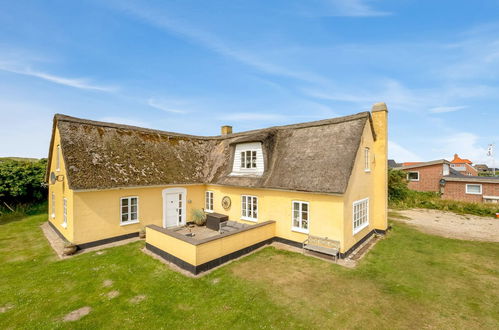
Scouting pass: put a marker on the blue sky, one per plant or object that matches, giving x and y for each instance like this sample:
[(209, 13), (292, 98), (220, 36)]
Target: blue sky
[(192, 66)]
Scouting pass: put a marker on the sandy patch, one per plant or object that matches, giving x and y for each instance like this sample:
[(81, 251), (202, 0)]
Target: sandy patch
[(77, 314), (113, 294), (6, 308), (451, 225), (137, 299), (107, 283)]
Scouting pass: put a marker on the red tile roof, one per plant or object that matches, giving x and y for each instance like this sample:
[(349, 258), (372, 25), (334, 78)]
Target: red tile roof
[(458, 160)]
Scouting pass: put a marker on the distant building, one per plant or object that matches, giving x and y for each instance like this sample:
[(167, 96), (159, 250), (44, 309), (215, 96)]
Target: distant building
[(441, 176), (463, 166), (392, 163)]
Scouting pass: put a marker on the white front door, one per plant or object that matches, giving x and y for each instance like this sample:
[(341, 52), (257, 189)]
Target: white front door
[(173, 207)]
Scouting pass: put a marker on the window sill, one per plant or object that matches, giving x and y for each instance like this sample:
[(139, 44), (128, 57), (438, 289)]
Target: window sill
[(367, 171), (468, 193), (249, 219), (64, 225), (358, 230), (300, 230), (52, 216), (208, 211), (129, 223)]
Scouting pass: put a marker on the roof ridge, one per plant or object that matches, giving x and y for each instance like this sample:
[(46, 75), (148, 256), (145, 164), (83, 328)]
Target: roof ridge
[(323, 122)]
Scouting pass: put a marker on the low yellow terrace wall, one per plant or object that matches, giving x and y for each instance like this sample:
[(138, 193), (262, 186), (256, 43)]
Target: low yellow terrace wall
[(174, 246), (200, 255), (228, 244)]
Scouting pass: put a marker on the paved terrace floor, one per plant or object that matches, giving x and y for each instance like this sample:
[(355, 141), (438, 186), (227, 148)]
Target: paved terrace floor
[(198, 232)]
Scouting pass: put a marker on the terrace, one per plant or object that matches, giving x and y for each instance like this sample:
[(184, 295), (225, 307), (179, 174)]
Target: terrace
[(198, 248)]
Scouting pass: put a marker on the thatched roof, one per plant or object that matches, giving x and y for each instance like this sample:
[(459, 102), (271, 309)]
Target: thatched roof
[(315, 156)]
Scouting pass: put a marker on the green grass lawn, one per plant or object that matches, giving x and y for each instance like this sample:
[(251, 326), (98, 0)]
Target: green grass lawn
[(409, 280)]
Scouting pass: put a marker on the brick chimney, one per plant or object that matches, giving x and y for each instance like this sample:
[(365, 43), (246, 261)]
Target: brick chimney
[(226, 130)]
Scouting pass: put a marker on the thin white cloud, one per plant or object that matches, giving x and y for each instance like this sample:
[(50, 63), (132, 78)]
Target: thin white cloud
[(166, 106), (467, 145), (80, 83), (401, 154), (155, 17), (447, 109)]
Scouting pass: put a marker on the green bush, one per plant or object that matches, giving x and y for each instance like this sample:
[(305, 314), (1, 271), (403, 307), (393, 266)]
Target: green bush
[(397, 185), (22, 182), (432, 200)]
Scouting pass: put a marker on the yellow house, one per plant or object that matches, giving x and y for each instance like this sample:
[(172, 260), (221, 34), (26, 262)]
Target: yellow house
[(324, 179)]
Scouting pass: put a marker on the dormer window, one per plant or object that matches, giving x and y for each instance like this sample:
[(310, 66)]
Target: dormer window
[(248, 159)]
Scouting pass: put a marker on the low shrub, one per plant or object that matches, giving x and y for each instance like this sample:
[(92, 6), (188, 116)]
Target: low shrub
[(432, 200)]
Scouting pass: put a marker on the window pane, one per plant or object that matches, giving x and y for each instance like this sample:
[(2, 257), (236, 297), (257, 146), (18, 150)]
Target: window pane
[(124, 217), (124, 209), (304, 207), (133, 216), (304, 224), (124, 201), (134, 201), (134, 208), (248, 159), (304, 215), (253, 159), (473, 188)]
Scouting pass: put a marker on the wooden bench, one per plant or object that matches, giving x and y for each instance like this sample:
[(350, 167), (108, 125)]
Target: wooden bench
[(322, 245)]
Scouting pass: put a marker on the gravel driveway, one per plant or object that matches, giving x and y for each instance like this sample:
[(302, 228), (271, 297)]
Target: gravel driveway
[(451, 225)]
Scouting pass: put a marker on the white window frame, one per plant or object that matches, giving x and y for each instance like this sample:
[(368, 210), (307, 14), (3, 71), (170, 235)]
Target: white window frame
[(300, 229), (473, 193), (208, 201), (367, 160), (58, 158), (64, 223), (412, 180), (361, 225), (253, 156), (245, 211), (53, 205), (129, 213)]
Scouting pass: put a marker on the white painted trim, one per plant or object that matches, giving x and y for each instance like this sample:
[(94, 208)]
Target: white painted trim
[(491, 197), (364, 225), (179, 190), (256, 147), (64, 223), (249, 219), (367, 159), (299, 229), (58, 158), (52, 205), (473, 193), (129, 223), (213, 204), (257, 211), (413, 180), (129, 211)]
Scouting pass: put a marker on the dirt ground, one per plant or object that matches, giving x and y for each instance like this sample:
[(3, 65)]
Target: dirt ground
[(451, 225)]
